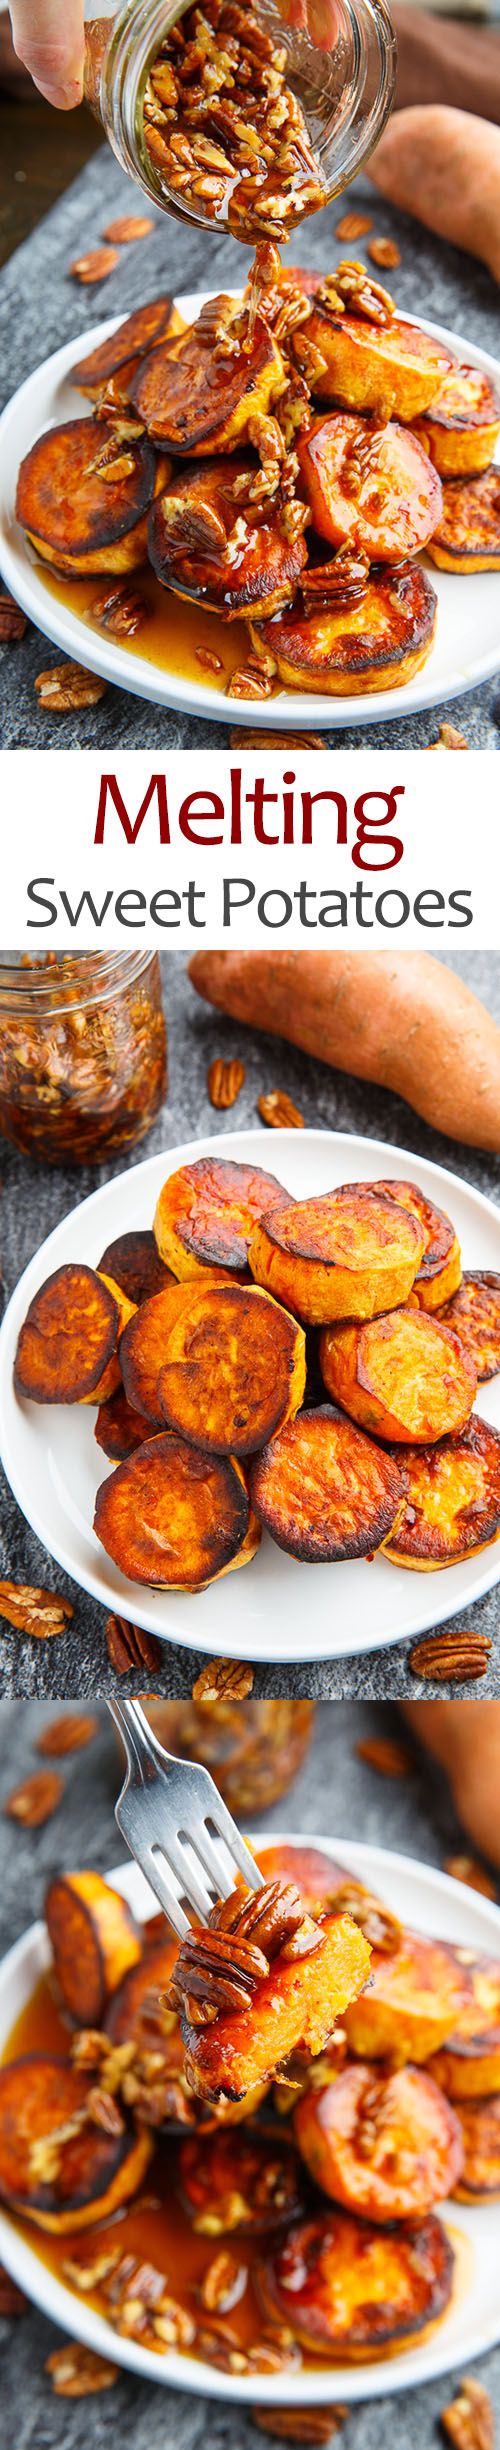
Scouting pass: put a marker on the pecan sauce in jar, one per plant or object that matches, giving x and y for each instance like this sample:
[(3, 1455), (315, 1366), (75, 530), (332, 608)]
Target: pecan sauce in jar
[(83, 1053)]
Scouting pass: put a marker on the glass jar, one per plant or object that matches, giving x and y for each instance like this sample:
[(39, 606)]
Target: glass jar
[(340, 85), (83, 1053), (254, 1749)]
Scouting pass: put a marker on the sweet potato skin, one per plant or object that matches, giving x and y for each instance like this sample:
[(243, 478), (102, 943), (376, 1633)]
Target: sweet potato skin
[(403, 1377), (97, 2173), (452, 1499), (344, 1255), (298, 2002), (94, 1941), (68, 1338), (143, 1350), (467, 537), (441, 1265), (350, 2290), (174, 1517), (323, 1491), (379, 1016), (206, 1213), (388, 2148), (461, 430), (468, 2065), (412, 2004), (474, 1313), (234, 1371)]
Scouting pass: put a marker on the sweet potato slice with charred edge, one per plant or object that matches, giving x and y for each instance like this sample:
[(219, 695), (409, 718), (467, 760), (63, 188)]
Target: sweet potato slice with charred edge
[(193, 401), (135, 1263), (474, 1313), (469, 2063), (189, 530), (83, 498), (111, 1377), (175, 1517), (414, 2000), (452, 1499), (135, 2012), (324, 1883), (94, 1941), (119, 1428), (401, 1377), (391, 368), (206, 1215), (440, 1267), (295, 2006), (387, 2146), (461, 430), (350, 2290), (234, 1370), (323, 1491), (377, 642), (480, 2124), (369, 486), (235, 2181), (143, 1350), (345, 1254), (141, 331), (468, 533), (68, 1338), (95, 2173)]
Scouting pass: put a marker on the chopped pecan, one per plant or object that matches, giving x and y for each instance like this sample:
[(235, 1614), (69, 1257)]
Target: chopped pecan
[(381, 1929), (96, 266), (12, 2300), (385, 1755), (304, 2424), (104, 2112), (130, 226), (458, 1657), (67, 1734), (208, 661), (224, 1680), (120, 609), (129, 1646), (474, 1875), (41, 1614), (36, 1799), (279, 1112), (249, 681), (469, 2420), (88, 2271), (449, 738), (353, 225), (224, 2282), (384, 252), (224, 1081), (76, 2372), (68, 686), (173, 2325), (13, 622)]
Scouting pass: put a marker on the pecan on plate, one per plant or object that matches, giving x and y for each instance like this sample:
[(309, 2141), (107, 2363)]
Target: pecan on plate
[(223, 2283), (224, 1680), (279, 1112), (129, 1646), (13, 622), (249, 682), (224, 1081), (469, 2421), (76, 2372), (458, 1657), (68, 686), (39, 1613), (121, 609), (67, 1734), (35, 1800)]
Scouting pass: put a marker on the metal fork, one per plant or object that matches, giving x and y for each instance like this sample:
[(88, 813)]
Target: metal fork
[(163, 1812)]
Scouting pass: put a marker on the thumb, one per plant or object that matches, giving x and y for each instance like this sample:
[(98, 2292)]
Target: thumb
[(48, 37)]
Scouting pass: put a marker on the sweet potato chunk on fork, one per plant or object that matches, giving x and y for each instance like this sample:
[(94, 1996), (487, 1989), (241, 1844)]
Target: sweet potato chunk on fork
[(293, 1990)]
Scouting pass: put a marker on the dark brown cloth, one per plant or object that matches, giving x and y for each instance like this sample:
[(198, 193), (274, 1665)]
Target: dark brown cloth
[(447, 59)]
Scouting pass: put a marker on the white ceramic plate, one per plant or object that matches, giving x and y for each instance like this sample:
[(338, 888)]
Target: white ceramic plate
[(467, 646), (276, 1606), (431, 1903)]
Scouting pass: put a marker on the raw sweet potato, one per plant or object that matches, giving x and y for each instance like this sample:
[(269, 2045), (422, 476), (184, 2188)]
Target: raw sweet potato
[(351, 2291), (467, 536), (323, 1491), (83, 499), (206, 1214), (144, 1346), (402, 1377), (135, 1263), (452, 1499), (175, 1517), (345, 1255), (374, 641), (234, 1369), (119, 1428), (295, 2005), (65, 2184), (140, 332), (382, 1017), (389, 367), (462, 428), (369, 486), (68, 1339), (194, 401), (94, 1941), (480, 2124), (189, 542), (414, 2000), (246, 2182), (468, 2064), (441, 1266), (474, 1313), (387, 2146)]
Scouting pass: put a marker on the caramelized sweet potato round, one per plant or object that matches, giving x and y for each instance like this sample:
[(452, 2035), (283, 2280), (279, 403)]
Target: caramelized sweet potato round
[(369, 486), (135, 1263), (175, 1517), (480, 2124), (68, 1338), (144, 1346), (94, 1941), (294, 2006), (452, 1499), (119, 1428), (234, 1370), (323, 1491), (188, 538), (474, 1314), (206, 1215), (324, 1883), (83, 498), (345, 1255), (239, 2181), (468, 535), (77, 2182), (440, 1266), (391, 368), (402, 1377), (111, 1377), (140, 332), (351, 2291), (469, 2062), (134, 2012), (413, 2001), (461, 430), (377, 642), (387, 2146), (193, 401)]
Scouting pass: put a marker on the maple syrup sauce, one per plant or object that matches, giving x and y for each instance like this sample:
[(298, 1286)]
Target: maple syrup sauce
[(171, 634)]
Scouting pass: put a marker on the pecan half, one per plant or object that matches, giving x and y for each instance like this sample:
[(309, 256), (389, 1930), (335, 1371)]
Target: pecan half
[(448, 738), (474, 1875), (121, 610), (94, 267), (384, 251), (248, 682), (35, 1800), (76, 2372), (207, 661), (224, 2282), (68, 686), (215, 1972), (279, 1112), (39, 1613), (353, 225), (12, 2300), (458, 1657), (469, 2420), (13, 622), (224, 1081), (304, 2424), (270, 1916), (123, 232), (67, 1734), (382, 1753), (286, 741), (129, 1646), (224, 1680)]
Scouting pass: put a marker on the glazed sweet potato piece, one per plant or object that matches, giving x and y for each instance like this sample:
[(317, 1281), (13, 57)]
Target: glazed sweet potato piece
[(174, 1517), (68, 2184), (144, 1346), (348, 2290), (234, 1369), (83, 499), (191, 547), (141, 331), (403, 1377), (413, 2002), (440, 1266), (323, 1883), (323, 1491), (194, 400), (94, 1941), (474, 1314), (452, 1499), (119, 1428), (462, 428), (68, 1338), (206, 1215), (376, 642), (469, 2063), (344, 1255), (369, 486), (391, 367), (387, 2146), (480, 2124), (135, 1263), (239, 2182), (293, 2002), (468, 534)]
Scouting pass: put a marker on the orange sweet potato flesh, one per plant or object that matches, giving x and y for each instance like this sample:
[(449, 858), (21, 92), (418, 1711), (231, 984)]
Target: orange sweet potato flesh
[(250, 2180), (144, 1346), (467, 537), (474, 1313), (79, 516), (371, 487), (96, 2173), (140, 332), (323, 1491), (94, 1941), (380, 1017), (440, 1267), (451, 1499), (347, 1254), (111, 1377), (386, 2146), (193, 402), (206, 1214), (134, 1262), (351, 2291), (189, 530), (174, 1517), (295, 2006), (461, 430), (480, 2124), (68, 1338), (119, 1428), (234, 1371), (468, 2066), (390, 368), (376, 642), (403, 1377), (413, 2001)]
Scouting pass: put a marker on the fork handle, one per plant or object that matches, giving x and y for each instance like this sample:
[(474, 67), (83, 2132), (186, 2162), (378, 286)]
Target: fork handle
[(141, 1745)]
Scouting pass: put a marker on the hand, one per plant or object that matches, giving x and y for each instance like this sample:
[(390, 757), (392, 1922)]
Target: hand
[(464, 1736), (444, 166), (48, 37), (317, 18)]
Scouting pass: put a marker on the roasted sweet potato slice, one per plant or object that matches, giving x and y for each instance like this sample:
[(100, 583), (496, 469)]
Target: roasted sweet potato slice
[(135, 1263), (480, 2124), (441, 1266), (193, 401), (369, 486), (324, 1883), (414, 2000), (323, 1491), (352, 2291), (234, 1370), (136, 2011), (391, 368), (68, 1338), (134, 338), (111, 1377), (387, 2146), (144, 1347), (452, 1499), (175, 1517), (83, 499), (94, 1941), (119, 1428), (344, 1255), (474, 1313), (295, 2006), (67, 2184), (469, 2062), (376, 642), (402, 1377), (461, 430), (189, 536), (250, 2182), (468, 535), (206, 1214)]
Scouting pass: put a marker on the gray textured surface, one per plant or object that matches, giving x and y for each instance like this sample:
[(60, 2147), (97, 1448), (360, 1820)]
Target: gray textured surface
[(33, 1201), (334, 1794), (40, 308)]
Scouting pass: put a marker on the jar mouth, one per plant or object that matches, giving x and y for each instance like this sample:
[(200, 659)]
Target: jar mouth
[(42, 983)]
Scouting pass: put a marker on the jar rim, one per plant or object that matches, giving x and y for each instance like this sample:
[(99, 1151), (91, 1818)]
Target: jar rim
[(46, 982)]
